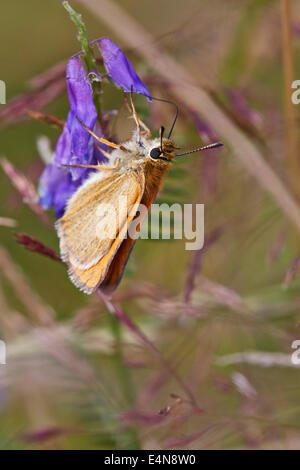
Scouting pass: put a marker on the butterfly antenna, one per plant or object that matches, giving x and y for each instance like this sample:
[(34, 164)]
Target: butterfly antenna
[(176, 112), (206, 147), (161, 134)]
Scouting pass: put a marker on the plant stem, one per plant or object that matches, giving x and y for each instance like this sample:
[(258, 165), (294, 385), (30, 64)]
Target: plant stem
[(88, 53), (116, 330), (290, 115), (124, 377), (126, 321), (82, 35)]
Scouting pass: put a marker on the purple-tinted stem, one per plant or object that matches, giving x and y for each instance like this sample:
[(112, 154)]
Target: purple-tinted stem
[(195, 264), (128, 323), (292, 271), (186, 440), (25, 188), (32, 244)]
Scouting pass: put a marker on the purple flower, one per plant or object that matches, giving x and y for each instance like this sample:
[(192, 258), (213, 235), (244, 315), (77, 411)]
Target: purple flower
[(205, 131), (240, 106), (75, 145), (64, 191), (50, 179), (296, 29), (210, 158), (120, 69)]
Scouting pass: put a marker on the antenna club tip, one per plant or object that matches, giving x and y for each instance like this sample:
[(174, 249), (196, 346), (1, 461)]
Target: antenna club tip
[(200, 149)]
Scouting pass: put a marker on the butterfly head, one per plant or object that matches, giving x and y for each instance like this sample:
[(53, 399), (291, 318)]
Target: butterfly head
[(163, 150)]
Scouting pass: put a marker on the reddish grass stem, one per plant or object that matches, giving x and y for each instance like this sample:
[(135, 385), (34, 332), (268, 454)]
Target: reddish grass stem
[(128, 323), (31, 244)]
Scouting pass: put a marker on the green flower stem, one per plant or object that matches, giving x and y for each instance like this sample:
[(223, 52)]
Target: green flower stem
[(88, 53), (82, 35), (124, 377)]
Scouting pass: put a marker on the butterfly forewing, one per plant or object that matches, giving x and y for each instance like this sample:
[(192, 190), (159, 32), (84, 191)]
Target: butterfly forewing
[(95, 216), (95, 223)]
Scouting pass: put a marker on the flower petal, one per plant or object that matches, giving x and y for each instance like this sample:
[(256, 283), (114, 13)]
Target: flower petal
[(63, 192), (56, 187), (98, 156), (82, 105), (120, 69), (74, 144), (50, 179), (63, 146)]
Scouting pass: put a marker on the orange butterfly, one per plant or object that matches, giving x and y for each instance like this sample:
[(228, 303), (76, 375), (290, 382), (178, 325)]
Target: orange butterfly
[(93, 232)]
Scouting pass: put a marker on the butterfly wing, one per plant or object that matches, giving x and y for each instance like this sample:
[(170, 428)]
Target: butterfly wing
[(95, 215), (87, 254), (116, 268)]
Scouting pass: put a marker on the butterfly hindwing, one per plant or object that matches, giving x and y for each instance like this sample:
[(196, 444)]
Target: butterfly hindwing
[(94, 217), (83, 247)]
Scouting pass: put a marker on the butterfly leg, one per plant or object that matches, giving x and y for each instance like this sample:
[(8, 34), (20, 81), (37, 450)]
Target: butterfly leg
[(146, 131), (116, 165), (95, 167), (106, 154), (135, 117), (100, 139)]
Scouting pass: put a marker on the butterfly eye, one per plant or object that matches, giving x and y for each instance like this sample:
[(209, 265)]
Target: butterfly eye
[(155, 153)]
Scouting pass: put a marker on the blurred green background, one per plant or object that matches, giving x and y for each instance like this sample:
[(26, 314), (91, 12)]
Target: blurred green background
[(85, 382)]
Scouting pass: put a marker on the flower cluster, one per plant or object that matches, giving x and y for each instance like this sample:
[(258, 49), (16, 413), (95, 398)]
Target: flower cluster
[(75, 145)]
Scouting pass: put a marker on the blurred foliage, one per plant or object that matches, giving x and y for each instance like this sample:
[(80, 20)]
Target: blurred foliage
[(83, 380)]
